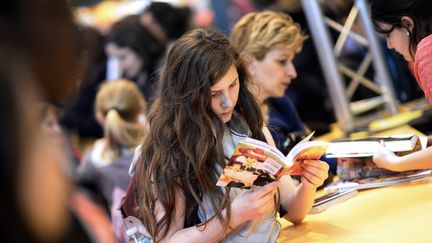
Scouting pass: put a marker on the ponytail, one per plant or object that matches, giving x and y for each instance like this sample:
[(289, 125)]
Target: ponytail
[(120, 133)]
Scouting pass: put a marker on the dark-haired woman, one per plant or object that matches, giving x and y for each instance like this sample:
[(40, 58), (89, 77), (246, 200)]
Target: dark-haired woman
[(137, 52), (203, 109)]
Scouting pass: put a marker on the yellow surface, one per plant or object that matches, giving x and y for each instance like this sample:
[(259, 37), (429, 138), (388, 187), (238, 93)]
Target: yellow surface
[(405, 129), (336, 133), (392, 214), (395, 120)]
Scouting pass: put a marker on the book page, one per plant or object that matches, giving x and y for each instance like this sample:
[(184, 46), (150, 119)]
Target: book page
[(307, 150), (253, 163)]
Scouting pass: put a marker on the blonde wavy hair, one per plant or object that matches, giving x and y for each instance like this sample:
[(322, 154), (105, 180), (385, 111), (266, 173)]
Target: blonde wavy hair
[(258, 32), (120, 103)]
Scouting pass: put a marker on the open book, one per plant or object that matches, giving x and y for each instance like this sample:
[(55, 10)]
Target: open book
[(255, 163), (369, 146), (355, 156)]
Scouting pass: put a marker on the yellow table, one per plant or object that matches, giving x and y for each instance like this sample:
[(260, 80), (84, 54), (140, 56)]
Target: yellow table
[(400, 213), (338, 134)]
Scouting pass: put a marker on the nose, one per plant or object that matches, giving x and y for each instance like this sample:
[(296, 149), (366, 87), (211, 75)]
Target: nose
[(226, 101), (291, 71)]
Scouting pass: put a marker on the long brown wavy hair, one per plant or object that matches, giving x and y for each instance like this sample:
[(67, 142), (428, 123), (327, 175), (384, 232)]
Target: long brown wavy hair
[(184, 146)]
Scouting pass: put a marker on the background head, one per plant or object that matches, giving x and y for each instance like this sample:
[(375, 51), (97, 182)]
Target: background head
[(135, 47), (166, 21), (257, 33), (43, 33), (268, 40), (39, 58), (412, 18), (119, 107)]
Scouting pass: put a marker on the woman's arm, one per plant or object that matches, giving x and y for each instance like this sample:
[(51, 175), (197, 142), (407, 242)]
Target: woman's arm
[(248, 205), (384, 158), (297, 201)]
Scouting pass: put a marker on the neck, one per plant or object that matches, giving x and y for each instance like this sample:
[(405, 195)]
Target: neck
[(259, 94), (265, 111)]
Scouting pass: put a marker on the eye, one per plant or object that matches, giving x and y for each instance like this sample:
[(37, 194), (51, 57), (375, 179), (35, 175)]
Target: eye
[(214, 94), (233, 84), (282, 62)]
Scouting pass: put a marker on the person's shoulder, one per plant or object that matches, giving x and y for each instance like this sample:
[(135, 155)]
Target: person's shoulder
[(423, 65), (424, 48), (94, 154)]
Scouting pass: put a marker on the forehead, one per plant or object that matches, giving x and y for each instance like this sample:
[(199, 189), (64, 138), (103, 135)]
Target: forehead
[(384, 26), (230, 76), (281, 50), (113, 49)]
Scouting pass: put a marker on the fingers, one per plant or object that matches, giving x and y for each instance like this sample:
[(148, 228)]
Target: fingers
[(255, 203), (315, 181), (314, 172), (316, 167), (269, 189)]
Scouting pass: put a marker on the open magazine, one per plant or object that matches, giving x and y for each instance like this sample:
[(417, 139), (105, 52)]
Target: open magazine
[(351, 148), (255, 163), (354, 157)]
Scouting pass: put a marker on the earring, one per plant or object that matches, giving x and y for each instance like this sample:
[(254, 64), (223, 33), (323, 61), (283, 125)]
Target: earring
[(407, 33)]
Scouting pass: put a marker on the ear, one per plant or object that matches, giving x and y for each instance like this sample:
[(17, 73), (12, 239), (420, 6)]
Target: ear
[(252, 62), (407, 22)]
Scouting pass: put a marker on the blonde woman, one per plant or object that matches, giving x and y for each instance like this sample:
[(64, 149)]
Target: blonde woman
[(120, 108), (269, 41)]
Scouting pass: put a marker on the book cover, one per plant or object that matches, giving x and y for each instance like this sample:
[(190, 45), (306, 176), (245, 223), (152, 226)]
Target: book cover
[(331, 198), (255, 163)]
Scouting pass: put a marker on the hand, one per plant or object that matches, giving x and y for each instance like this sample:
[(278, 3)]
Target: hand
[(314, 173), (252, 204), (385, 158)]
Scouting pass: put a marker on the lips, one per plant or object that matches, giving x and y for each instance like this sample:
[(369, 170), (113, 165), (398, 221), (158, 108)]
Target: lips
[(226, 116), (226, 113), (287, 82)]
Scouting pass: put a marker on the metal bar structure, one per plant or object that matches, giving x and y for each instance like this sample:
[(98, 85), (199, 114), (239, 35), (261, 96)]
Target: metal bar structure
[(327, 58), (333, 70), (383, 77)]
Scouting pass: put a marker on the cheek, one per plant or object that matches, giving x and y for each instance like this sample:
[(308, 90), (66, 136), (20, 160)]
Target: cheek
[(235, 94), (215, 105), (136, 63), (132, 65)]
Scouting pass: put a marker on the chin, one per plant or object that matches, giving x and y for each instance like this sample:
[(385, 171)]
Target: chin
[(226, 119), (408, 59), (280, 94)]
